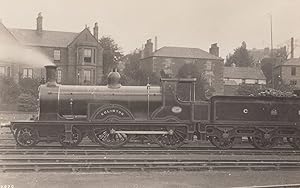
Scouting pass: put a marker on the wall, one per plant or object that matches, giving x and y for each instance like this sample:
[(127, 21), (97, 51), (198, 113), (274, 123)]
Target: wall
[(287, 76), (76, 65)]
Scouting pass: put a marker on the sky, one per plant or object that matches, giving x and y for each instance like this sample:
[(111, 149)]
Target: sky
[(186, 23)]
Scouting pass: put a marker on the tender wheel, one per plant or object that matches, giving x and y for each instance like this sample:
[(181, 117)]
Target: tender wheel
[(76, 138), (294, 142), (263, 143), (26, 136), (222, 143), (109, 138), (173, 140)]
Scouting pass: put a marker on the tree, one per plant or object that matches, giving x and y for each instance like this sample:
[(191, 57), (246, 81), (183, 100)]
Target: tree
[(240, 57), (111, 53), (9, 90), (193, 70), (29, 86), (132, 68), (267, 65)]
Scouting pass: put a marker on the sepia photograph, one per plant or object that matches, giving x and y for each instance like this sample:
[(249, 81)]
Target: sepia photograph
[(150, 94)]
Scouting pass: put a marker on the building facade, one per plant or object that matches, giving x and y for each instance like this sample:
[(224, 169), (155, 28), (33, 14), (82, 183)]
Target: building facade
[(78, 56), (171, 59), (235, 76), (288, 73)]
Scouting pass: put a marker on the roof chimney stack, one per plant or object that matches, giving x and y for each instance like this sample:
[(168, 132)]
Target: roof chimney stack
[(96, 30), (39, 23), (214, 49), (292, 47), (148, 50)]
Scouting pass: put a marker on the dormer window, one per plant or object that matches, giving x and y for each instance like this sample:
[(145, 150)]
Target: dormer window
[(87, 55)]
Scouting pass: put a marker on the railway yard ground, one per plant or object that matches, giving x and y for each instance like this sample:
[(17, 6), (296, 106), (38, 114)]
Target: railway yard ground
[(136, 165)]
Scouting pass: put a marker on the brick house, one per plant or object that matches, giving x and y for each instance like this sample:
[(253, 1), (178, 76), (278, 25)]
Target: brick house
[(288, 73), (78, 56), (171, 59), (235, 76)]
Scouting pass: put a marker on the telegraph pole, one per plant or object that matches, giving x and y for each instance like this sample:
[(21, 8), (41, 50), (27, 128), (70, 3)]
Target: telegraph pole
[(271, 34), (271, 25)]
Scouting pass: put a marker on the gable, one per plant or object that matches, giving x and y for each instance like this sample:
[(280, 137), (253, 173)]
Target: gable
[(5, 35), (85, 38)]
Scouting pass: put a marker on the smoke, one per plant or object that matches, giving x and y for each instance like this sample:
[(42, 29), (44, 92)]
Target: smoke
[(12, 52)]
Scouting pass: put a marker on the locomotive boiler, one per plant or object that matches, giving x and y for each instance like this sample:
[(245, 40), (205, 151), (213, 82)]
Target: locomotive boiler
[(111, 115)]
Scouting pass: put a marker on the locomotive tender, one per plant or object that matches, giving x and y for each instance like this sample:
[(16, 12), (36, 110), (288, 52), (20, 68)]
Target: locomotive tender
[(111, 115)]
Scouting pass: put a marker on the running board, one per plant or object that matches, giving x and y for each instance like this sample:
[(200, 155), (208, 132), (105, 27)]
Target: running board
[(142, 132)]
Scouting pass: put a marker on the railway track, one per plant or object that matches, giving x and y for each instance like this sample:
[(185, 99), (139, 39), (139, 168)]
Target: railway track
[(83, 164), (142, 158), (94, 150)]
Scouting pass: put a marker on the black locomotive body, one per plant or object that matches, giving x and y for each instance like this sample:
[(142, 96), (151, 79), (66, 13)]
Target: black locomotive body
[(265, 120), (111, 115)]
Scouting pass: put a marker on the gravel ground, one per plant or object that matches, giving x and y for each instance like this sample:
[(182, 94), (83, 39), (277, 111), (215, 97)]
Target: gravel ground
[(150, 179)]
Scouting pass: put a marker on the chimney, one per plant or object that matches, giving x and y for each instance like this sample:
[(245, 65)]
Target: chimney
[(51, 75), (292, 47), (214, 49), (148, 48), (39, 23), (96, 30), (155, 43)]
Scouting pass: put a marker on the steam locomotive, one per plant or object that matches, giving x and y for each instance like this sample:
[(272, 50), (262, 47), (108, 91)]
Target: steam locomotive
[(111, 115)]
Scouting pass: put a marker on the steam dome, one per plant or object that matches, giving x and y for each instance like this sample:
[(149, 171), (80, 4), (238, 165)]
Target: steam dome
[(113, 80)]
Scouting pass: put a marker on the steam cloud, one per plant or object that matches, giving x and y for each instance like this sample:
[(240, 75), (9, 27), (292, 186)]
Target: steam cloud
[(12, 52)]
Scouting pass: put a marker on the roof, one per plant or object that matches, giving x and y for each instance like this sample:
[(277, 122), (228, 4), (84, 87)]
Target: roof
[(47, 38), (243, 73), (6, 35), (183, 52)]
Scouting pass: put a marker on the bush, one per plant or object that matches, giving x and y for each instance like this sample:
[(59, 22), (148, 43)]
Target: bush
[(27, 103), (9, 90)]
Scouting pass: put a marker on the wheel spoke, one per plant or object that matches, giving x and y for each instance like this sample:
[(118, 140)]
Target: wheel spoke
[(222, 143), (26, 136), (108, 139), (171, 141), (76, 138)]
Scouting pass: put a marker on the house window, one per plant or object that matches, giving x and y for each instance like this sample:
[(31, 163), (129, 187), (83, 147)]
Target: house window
[(94, 76), (87, 55), (27, 73), (59, 76), (2, 71), (87, 76), (293, 71), (8, 72), (56, 55), (293, 82), (94, 53), (208, 65)]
